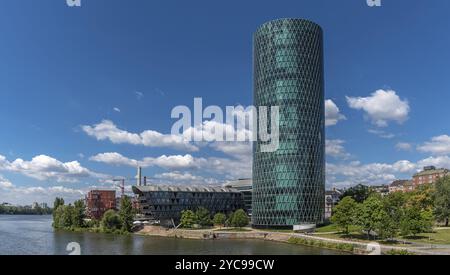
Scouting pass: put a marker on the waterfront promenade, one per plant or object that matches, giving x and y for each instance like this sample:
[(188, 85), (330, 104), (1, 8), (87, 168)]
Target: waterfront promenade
[(281, 236)]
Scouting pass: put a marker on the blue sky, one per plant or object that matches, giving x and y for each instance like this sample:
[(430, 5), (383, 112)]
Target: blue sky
[(79, 85)]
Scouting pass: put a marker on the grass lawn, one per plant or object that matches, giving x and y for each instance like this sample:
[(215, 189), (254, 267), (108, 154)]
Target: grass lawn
[(440, 236), (334, 228)]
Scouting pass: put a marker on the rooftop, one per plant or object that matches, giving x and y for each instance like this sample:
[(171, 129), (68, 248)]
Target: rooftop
[(432, 172), (176, 188)]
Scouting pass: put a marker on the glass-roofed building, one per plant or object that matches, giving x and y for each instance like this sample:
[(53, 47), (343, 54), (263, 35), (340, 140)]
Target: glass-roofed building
[(164, 203)]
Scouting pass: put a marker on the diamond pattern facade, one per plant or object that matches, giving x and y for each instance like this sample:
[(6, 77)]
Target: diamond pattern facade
[(289, 184)]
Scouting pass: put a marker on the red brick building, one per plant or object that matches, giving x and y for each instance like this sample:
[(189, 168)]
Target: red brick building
[(429, 175), (99, 201)]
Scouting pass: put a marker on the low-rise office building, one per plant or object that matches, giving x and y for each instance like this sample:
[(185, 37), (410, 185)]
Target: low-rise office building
[(100, 201), (165, 203), (245, 186)]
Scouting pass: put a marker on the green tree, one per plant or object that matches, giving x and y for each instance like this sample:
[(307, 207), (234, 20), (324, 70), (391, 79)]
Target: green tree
[(188, 219), (416, 221), (441, 197), (344, 214), (58, 202), (229, 219), (111, 221), (386, 227), (126, 213), (78, 214), (359, 193), (219, 219), (370, 214), (239, 219), (203, 218)]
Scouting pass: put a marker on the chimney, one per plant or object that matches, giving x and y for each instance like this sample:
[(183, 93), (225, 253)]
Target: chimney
[(139, 176), (145, 181)]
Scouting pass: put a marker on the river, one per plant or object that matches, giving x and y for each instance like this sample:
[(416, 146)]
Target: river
[(26, 235)]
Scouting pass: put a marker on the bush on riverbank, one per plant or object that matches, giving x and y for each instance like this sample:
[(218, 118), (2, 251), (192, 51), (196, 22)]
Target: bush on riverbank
[(73, 218), (322, 244)]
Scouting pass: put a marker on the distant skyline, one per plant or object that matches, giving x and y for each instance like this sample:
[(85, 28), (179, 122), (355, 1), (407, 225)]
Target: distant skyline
[(86, 92)]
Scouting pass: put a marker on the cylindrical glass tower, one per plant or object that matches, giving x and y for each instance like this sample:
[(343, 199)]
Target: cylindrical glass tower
[(289, 184)]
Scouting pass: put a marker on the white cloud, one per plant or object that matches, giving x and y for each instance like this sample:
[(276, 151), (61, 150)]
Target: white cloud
[(107, 130), (439, 161), (43, 167), (139, 95), (439, 145), (404, 146), (382, 107), (233, 168), (354, 172), (381, 133), (116, 109), (168, 162), (4, 183), (332, 113), (26, 195), (334, 148)]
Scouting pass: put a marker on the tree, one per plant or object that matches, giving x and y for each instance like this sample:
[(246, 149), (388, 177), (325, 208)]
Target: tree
[(126, 213), (188, 219), (203, 217), (58, 202), (111, 221), (422, 197), (78, 214), (370, 214), (386, 227), (219, 219), (344, 214), (416, 221), (239, 219), (441, 198), (359, 193)]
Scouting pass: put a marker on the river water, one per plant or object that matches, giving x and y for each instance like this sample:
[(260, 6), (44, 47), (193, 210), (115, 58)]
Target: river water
[(35, 235)]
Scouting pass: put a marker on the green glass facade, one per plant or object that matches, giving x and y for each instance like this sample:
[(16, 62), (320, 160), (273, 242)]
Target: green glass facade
[(289, 184)]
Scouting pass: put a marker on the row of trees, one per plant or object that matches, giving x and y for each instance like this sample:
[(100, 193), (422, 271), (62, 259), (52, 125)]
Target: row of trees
[(405, 214), (24, 210), (202, 218), (73, 217)]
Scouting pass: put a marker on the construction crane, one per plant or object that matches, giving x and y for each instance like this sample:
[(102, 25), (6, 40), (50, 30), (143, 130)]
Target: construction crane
[(121, 185)]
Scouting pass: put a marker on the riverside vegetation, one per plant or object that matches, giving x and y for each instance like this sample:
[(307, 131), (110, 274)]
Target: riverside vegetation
[(362, 212), (73, 218), (202, 218)]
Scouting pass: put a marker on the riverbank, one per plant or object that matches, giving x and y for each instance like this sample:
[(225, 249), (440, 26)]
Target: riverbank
[(349, 246)]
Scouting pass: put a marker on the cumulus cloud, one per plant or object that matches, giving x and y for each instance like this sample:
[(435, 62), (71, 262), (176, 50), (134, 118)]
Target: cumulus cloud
[(107, 130), (439, 145), (335, 148), (116, 109), (382, 107), (381, 133), (26, 195), (43, 167), (238, 167), (354, 172), (168, 162), (332, 113)]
